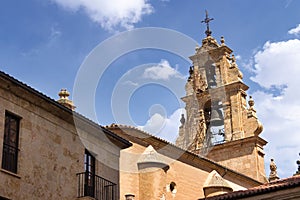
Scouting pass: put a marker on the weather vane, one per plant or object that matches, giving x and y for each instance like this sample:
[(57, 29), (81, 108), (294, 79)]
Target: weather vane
[(206, 21)]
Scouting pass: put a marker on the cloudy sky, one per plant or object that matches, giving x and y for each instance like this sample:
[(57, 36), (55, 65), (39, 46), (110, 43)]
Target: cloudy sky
[(47, 43)]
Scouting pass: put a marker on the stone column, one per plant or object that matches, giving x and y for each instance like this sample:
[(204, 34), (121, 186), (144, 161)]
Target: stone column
[(236, 114), (227, 121)]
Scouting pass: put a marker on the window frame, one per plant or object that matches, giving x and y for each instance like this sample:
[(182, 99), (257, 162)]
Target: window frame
[(10, 148), (89, 169)]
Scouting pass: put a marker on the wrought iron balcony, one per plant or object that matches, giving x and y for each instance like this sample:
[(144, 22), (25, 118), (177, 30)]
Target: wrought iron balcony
[(10, 158), (91, 185)]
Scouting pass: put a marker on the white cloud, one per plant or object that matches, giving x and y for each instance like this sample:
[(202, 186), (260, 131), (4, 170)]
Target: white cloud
[(164, 127), (245, 64), (238, 57), (295, 31), (130, 83), (111, 14), (277, 65), (161, 71)]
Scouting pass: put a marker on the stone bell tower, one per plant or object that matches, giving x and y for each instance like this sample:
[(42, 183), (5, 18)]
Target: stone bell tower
[(219, 124)]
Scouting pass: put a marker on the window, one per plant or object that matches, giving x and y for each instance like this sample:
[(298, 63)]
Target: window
[(89, 181), (3, 198), (173, 189), (10, 142)]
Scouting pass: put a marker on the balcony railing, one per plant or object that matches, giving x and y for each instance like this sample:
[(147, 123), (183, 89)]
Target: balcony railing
[(91, 185), (10, 158)]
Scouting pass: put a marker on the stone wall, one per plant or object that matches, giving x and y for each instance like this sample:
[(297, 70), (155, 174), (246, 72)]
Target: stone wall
[(189, 179), (245, 156), (50, 150)]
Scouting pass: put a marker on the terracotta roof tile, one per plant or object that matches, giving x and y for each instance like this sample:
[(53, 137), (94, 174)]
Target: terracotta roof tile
[(280, 184)]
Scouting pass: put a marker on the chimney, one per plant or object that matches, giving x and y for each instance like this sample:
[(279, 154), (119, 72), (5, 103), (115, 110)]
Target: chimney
[(64, 99)]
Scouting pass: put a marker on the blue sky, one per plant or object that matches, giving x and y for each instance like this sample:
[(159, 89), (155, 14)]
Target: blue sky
[(43, 43)]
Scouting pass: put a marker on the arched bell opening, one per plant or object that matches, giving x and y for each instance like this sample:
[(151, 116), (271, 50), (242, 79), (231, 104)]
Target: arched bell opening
[(211, 74), (214, 118)]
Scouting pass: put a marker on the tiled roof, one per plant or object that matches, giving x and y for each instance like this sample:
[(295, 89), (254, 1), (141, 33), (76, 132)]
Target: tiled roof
[(273, 186), (161, 143)]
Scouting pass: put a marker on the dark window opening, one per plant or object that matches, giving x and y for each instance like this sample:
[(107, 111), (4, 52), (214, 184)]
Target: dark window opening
[(92, 185), (89, 181), (10, 142), (172, 186), (214, 117), (211, 75), (3, 198)]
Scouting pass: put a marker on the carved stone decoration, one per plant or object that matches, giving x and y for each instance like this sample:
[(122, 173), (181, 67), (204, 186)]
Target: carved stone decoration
[(200, 133), (298, 171), (215, 77), (235, 73), (64, 99), (182, 120), (202, 83), (189, 88), (273, 171)]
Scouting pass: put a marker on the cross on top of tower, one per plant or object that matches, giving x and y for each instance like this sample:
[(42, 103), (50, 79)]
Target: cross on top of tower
[(206, 21)]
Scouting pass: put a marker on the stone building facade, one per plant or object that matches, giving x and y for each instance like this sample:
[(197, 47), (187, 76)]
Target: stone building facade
[(218, 149), (153, 168), (50, 152)]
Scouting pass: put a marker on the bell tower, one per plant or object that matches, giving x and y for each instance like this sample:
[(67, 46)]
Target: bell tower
[(218, 123)]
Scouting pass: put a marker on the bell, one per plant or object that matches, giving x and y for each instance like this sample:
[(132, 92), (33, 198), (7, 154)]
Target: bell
[(216, 118), (211, 83)]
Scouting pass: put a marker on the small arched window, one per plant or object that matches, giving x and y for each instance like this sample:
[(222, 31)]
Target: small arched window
[(173, 187)]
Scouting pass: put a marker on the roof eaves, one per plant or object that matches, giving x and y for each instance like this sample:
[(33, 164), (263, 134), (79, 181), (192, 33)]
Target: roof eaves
[(185, 150), (52, 101)]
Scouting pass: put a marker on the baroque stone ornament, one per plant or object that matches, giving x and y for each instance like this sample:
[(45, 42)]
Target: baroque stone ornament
[(214, 79), (218, 120), (273, 171), (298, 171)]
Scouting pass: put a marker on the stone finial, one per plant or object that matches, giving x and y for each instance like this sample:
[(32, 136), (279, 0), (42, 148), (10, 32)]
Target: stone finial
[(233, 61), (64, 99), (64, 94), (298, 171), (222, 41), (251, 102), (273, 171), (251, 110), (182, 120)]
